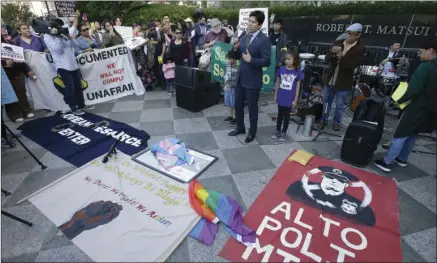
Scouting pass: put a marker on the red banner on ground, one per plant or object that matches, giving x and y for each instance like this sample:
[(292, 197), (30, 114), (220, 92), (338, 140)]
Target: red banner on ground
[(324, 211)]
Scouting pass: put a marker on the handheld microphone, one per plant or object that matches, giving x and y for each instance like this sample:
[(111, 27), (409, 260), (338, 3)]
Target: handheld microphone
[(111, 152)]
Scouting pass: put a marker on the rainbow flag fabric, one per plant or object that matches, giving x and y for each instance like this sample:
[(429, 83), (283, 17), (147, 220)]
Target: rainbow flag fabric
[(217, 208)]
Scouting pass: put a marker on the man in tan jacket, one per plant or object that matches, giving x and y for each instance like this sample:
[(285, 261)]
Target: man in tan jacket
[(343, 58)]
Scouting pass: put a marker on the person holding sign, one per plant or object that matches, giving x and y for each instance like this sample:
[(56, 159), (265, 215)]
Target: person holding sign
[(111, 37), (255, 50)]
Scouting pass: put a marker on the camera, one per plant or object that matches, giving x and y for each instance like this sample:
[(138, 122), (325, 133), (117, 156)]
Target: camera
[(53, 26)]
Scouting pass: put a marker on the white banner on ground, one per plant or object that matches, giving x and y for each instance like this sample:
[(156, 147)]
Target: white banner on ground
[(107, 74), (244, 18), (126, 32), (13, 52), (120, 211)]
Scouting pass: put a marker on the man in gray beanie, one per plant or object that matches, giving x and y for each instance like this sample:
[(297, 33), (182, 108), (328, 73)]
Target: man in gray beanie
[(343, 58)]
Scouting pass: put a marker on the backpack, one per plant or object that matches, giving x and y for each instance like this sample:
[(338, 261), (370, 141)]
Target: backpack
[(432, 95)]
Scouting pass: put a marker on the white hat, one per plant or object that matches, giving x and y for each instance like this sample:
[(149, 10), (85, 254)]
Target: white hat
[(357, 27)]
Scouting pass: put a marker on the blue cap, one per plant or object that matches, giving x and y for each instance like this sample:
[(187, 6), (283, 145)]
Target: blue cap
[(357, 27)]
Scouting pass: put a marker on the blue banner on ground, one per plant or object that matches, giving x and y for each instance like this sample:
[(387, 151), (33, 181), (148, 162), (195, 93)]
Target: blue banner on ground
[(80, 139)]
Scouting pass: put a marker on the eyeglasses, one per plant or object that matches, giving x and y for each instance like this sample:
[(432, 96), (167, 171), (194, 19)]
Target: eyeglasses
[(85, 29), (178, 33)]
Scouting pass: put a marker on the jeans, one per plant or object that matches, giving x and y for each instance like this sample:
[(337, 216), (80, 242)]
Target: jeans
[(170, 85), (340, 100), (73, 92), (283, 116), (400, 148)]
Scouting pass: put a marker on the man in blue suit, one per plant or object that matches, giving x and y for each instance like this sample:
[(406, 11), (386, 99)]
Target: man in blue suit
[(255, 51)]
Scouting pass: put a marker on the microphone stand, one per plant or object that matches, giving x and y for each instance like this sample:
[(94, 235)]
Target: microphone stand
[(16, 218), (43, 167), (326, 110)]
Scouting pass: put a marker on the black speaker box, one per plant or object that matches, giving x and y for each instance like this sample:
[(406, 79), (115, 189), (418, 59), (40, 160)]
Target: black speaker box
[(201, 94), (360, 143)]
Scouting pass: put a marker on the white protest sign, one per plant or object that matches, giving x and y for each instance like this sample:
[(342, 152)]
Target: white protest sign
[(120, 211), (244, 18), (110, 74), (15, 53), (107, 74), (126, 32)]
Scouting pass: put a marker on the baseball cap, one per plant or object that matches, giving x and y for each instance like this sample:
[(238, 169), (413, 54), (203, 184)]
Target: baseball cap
[(338, 174), (430, 42)]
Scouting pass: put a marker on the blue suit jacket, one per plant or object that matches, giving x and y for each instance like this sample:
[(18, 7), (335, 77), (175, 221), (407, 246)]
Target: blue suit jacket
[(250, 76)]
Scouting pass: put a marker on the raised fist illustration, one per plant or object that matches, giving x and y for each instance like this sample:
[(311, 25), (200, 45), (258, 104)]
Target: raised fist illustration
[(90, 217)]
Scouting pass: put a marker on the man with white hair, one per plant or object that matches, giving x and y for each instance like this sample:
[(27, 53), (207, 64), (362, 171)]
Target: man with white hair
[(218, 33), (343, 58)]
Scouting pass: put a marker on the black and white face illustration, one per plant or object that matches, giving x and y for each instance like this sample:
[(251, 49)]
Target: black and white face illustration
[(349, 207), (331, 193), (333, 185)]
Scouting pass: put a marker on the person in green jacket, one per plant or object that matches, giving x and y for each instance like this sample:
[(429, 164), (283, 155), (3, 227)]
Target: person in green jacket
[(417, 117)]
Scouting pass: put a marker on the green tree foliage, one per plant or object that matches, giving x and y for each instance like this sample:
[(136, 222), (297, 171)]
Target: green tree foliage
[(12, 13), (101, 10), (140, 12)]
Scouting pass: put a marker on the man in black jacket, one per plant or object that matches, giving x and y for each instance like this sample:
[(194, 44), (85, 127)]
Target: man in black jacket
[(278, 39), (392, 54)]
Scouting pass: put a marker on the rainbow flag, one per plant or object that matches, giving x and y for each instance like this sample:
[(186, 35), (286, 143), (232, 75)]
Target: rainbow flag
[(217, 208)]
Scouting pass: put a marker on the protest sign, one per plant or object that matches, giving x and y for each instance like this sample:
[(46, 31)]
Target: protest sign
[(322, 212), (119, 211), (219, 62), (80, 139), (126, 32), (65, 8), (244, 18), (107, 74), (13, 52), (110, 74)]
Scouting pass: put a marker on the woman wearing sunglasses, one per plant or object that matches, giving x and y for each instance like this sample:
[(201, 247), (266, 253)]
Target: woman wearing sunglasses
[(85, 41), (179, 49)]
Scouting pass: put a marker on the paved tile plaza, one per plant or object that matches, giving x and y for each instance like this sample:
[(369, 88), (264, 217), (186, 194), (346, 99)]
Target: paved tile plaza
[(241, 172)]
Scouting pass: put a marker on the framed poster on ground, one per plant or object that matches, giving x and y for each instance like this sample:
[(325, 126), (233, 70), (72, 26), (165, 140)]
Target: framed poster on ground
[(182, 173)]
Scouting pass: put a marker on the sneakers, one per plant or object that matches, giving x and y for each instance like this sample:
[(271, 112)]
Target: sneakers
[(321, 125), (276, 135), (9, 144), (401, 163), (386, 145), (79, 112), (382, 165), (336, 127), (279, 135), (232, 123), (229, 118), (89, 107), (30, 115), (19, 120)]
